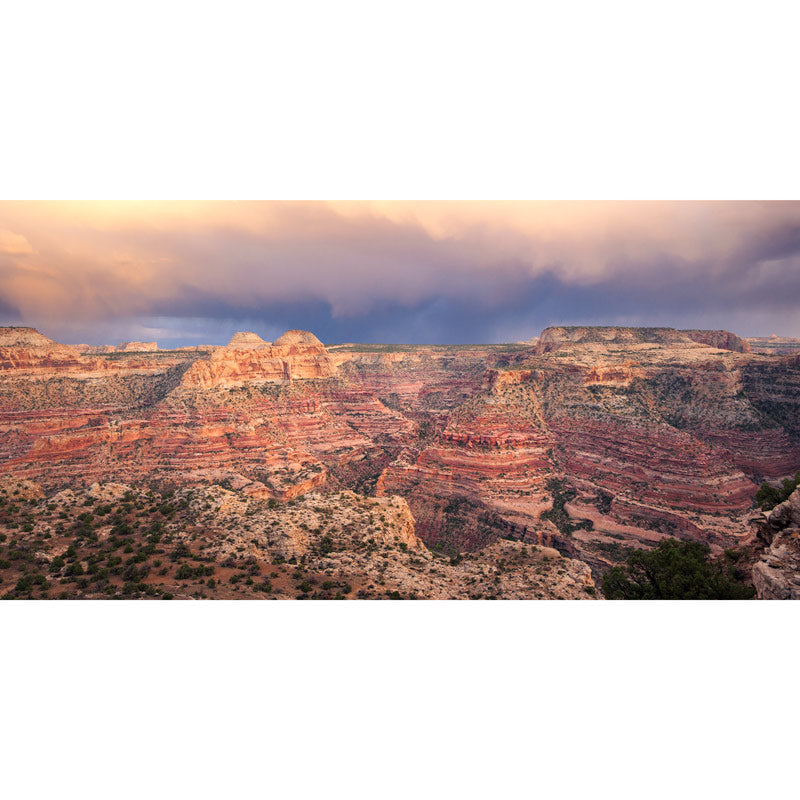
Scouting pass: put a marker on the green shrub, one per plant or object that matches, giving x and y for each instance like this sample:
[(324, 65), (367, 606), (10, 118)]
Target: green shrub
[(27, 582), (769, 496)]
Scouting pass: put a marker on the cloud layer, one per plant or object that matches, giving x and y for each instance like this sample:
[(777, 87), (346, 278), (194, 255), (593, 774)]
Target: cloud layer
[(184, 273)]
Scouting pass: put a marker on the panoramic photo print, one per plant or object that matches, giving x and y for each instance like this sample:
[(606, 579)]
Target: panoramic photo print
[(399, 400)]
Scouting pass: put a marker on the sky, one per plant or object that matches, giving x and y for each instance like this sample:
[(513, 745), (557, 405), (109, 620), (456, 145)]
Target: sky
[(186, 273)]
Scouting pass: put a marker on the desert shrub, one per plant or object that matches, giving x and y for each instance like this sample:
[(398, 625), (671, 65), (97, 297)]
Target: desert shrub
[(75, 568), (26, 583), (325, 545), (121, 529), (186, 571), (180, 551), (769, 496)]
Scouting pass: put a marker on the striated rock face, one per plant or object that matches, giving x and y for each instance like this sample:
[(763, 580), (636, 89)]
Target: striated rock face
[(484, 473), (776, 575), (594, 442), (197, 417), (648, 433)]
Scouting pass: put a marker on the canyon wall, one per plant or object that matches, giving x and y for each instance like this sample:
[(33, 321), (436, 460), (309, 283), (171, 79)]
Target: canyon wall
[(591, 440)]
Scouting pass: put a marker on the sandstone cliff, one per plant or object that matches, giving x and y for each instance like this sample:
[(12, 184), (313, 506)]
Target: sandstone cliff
[(297, 355), (776, 575), (246, 340)]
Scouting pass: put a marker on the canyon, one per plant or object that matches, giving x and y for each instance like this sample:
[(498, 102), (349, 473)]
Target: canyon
[(585, 443)]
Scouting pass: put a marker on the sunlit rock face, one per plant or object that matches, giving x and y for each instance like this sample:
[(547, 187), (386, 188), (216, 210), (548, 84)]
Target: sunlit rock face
[(296, 337), (245, 340), (297, 355)]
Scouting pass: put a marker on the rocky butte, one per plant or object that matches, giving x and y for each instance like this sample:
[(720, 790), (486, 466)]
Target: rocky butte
[(432, 471)]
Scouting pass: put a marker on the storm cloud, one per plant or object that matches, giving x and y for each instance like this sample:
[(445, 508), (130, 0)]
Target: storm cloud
[(190, 272)]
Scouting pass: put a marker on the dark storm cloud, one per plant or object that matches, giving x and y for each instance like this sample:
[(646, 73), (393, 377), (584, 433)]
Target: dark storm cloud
[(406, 272)]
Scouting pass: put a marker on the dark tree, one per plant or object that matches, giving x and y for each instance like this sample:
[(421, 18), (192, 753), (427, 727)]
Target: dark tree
[(675, 571)]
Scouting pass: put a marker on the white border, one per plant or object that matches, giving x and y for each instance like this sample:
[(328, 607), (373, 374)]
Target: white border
[(399, 101)]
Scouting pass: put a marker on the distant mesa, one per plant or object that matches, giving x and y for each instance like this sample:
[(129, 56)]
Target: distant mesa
[(297, 337), (122, 347), (246, 340), (554, 337), (95, 349), (137, 347), (774, 345)]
